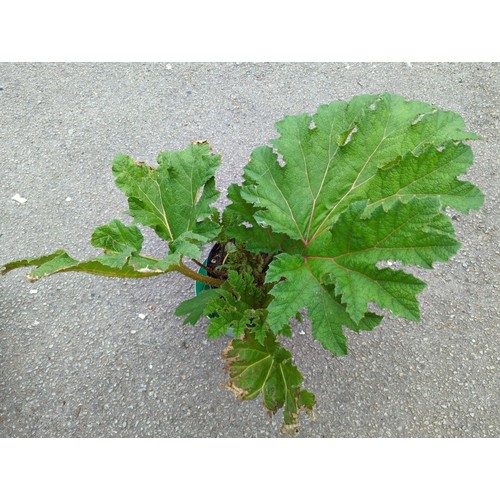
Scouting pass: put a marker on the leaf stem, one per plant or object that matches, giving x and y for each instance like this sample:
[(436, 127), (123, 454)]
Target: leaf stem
[(208, 269), (186, 271)]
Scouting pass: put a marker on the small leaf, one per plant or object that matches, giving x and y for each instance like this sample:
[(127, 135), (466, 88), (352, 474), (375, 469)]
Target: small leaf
[(267, 369), (60, 261), (119, 242), (237, 305), (117, 237), (195, 307), (175, 198)]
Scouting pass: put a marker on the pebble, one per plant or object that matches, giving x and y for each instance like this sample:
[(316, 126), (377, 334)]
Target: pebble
[(17, 197)]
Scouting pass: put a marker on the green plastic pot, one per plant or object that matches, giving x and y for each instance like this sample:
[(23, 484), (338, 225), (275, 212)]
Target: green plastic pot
[(198, 285)]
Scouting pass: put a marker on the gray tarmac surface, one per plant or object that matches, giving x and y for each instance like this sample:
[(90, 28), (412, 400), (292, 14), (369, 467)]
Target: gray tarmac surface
[(75, 358)]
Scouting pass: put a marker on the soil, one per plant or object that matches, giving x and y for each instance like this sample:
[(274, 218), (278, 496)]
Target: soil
[(215, 259)]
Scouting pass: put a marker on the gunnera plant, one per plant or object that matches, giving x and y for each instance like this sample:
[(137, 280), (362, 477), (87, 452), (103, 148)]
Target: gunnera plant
[(318, 213)]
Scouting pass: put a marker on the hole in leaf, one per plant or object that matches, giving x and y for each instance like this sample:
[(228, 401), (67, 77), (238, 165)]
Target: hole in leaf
[(345, 137), (418, 118), (421, 116), (279, 158), (391, 264), (373, 105), (198, 195), (353, 131)]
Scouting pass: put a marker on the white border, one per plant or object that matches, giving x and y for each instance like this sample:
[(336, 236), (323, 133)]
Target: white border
[(249, 468), (148, 30)]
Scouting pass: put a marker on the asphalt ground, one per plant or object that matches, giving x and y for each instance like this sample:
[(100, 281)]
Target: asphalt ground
[(76, 360)]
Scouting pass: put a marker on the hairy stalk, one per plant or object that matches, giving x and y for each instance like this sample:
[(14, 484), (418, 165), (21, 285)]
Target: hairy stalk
[(186, 271), (208, 269)]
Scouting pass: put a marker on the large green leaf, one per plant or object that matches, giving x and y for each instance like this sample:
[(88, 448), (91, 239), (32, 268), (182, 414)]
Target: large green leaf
[(357, 184), (266, 368), (331, 157)]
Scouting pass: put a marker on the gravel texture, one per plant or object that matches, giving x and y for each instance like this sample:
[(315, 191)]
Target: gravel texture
[(76, 357)]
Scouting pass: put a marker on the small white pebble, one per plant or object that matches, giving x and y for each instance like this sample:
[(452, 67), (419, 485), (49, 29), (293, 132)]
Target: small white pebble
[(169, 66), (142, 316), (17, 197), (33, 291), (36, 323), (133, 331), (68, 198), (302, 332)]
